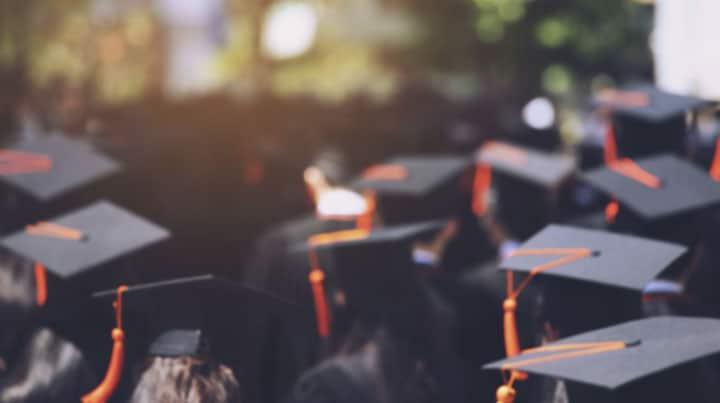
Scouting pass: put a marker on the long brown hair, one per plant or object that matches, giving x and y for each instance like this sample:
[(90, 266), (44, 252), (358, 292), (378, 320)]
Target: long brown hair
[(186, 380)]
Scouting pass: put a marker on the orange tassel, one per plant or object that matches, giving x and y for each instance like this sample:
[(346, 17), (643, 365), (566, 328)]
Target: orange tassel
[(40, 284), (104, 391), (715, 167), (611, 211), (322, 313), (317, 277), (610, 152), (481, 185), (630, 169), (14, 162), (364, 221), (512, 342), (52, 230), (386, 172), (506, 393)]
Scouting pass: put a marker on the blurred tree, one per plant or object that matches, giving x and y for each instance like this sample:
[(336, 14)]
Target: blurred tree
[(494, 48)]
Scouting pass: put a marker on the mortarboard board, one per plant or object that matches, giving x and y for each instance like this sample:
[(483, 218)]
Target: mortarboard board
[(522, 174), (412, 188), (647, 120), (611, 259), (616, 356), (74, 245), (679, 187), (50, 166)]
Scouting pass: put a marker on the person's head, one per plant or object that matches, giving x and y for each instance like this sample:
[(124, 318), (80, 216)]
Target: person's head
[(185, 380), (36, 365), (17, 300), (374, 366), (46, 369)]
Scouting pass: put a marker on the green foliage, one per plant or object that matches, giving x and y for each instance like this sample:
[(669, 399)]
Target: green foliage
[(514, 46), (495, 15), (557, 79), (554, 32)]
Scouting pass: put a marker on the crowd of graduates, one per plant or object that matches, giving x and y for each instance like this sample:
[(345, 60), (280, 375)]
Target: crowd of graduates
[(517, 272)]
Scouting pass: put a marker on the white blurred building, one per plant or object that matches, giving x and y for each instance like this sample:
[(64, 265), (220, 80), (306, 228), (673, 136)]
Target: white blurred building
[(686, 48), (194, 29)]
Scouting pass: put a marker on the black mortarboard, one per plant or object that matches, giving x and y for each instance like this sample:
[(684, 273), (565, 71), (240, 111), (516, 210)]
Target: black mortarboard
[(647, 120), (73, 245), (378, 270), (520, 174), (590, 278), (651, 346), (413, 188), (615, 260), (180, 316), (683, 187), (50, 166)]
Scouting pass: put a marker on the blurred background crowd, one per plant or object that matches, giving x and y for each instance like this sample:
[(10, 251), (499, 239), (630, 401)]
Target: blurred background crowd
[(217, 106)]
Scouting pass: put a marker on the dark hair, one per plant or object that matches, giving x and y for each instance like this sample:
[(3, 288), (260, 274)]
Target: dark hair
[(17, 289), (17, 304), (186, 380), (391, 360), (373, 367), (39, 366), (48, 369)]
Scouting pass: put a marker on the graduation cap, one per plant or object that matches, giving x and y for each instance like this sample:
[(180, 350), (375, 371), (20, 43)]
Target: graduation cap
[(415, 188), (49, 166), (189, 317), (674, 186), (78, 246), (659, 195), (594, 256), (374, 265), (603, 261), (617, 356), (647, 120), (376, 269), (522, 174)]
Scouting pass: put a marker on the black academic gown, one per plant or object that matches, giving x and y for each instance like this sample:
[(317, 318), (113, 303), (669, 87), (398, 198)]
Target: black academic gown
[(280, 265)]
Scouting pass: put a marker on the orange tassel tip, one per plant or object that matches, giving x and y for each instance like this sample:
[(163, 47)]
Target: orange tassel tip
[(715, 166), (40, 285)]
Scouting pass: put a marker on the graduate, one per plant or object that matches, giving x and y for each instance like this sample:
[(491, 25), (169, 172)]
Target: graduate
[(64, 258), (642, 120), (277, 267), (399, 347), (667, 198), (193, 349), (587, 279)]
